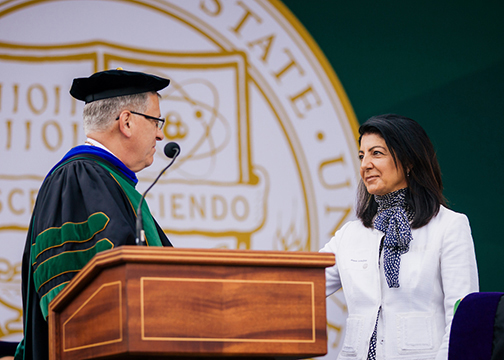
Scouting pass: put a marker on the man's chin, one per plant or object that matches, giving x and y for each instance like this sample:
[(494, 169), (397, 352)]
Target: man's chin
[(145, 165), (149, 162)]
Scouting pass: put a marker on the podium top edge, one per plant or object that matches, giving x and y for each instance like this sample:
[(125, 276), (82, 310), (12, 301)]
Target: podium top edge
[(216, 256)]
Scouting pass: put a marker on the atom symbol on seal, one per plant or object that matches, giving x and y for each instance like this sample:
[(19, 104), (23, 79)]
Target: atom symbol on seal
[(195, 121)]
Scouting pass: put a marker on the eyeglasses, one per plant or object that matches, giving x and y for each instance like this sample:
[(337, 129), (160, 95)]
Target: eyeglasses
[(159, 122)]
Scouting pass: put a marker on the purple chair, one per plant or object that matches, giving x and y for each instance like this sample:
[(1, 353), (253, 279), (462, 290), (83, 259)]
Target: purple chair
[(477, 330), (7, 348)]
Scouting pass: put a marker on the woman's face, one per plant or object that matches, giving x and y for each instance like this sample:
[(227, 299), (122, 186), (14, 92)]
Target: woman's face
[(378, 170)]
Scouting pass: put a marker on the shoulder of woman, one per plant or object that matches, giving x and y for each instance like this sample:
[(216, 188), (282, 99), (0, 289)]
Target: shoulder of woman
[(447, 216), (448, 213), (353, 229), (350, 228), (353, 225)]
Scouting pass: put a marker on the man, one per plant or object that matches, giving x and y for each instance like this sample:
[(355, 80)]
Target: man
[(87, 203)]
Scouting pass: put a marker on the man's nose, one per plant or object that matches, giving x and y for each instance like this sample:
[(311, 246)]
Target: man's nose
[(159, 134)]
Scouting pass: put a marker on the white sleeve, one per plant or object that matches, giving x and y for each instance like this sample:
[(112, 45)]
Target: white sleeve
[(459, 273), (333, 282)]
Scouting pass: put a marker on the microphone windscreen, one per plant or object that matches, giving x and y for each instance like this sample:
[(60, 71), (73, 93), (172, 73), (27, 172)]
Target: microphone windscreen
[(171, 149)]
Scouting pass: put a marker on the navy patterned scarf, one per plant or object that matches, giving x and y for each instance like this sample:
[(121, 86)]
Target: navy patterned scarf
[(393, 219)]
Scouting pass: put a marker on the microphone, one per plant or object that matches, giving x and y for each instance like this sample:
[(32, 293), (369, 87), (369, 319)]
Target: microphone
[(171, 150)]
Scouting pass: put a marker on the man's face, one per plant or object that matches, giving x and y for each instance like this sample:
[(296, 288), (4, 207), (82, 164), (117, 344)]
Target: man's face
[(145, 134)]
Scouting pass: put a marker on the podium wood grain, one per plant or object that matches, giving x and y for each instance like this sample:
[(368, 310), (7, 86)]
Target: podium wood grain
[(141, 302)]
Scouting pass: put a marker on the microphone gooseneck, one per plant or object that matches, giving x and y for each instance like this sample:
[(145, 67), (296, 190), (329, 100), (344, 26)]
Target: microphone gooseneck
[(171, 150)]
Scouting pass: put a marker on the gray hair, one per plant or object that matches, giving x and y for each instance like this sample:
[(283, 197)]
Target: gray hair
[(99, 115)]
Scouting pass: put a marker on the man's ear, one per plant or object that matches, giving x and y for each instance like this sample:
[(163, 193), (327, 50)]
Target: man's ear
[(125, 123)]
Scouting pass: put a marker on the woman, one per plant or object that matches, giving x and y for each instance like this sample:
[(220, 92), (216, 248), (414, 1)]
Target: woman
[(408, 259)]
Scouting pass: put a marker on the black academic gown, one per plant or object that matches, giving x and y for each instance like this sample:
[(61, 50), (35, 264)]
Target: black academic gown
[(81, 209)]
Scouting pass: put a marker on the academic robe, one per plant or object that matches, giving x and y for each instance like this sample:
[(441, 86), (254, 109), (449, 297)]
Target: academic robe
[(86, 204)]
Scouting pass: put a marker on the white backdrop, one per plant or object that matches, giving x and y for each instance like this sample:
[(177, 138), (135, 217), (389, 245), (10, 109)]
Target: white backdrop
[(268, 158)]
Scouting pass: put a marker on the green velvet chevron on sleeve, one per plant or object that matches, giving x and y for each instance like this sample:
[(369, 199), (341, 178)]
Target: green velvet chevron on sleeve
[(65, 260)]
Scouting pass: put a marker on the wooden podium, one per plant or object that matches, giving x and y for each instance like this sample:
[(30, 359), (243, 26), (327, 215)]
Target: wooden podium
[(153, 303)]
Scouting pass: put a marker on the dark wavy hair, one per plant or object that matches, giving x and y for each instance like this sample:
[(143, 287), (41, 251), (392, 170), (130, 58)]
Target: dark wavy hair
[(412, 149)]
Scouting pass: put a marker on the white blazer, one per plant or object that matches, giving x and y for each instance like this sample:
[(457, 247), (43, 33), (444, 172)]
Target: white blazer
[(415, 319)]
